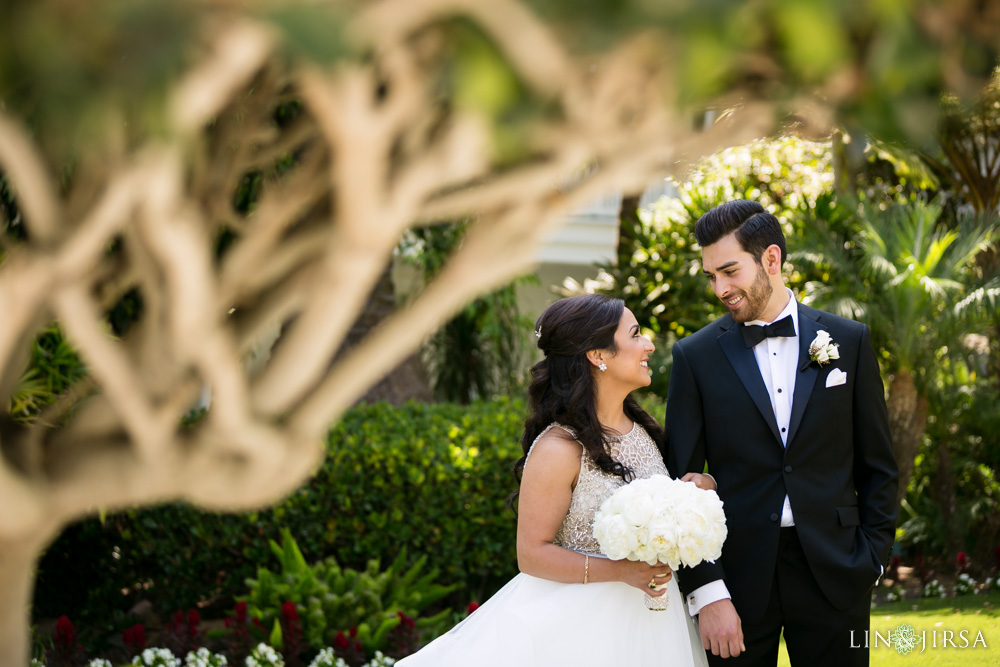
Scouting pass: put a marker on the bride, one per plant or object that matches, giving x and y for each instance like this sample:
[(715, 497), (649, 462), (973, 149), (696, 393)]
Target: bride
[(585, 438)]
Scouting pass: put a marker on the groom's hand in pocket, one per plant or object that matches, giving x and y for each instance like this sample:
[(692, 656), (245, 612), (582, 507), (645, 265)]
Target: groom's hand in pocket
[(721, 629)]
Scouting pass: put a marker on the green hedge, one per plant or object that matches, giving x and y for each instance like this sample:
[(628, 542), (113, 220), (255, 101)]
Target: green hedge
[(432, 478)]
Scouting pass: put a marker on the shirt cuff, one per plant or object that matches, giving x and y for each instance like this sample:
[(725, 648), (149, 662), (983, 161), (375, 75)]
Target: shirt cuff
[(711, 592)]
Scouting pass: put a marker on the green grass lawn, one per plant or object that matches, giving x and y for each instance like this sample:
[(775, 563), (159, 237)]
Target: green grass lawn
[(973, 613)]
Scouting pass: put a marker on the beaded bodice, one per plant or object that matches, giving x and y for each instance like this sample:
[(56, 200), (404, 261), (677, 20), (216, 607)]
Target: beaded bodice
[(635, 450)]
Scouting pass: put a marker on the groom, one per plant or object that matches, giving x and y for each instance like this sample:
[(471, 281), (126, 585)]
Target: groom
[(792, 424)]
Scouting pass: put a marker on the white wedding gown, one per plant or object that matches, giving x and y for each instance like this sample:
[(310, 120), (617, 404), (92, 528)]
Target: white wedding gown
[(534, 622)]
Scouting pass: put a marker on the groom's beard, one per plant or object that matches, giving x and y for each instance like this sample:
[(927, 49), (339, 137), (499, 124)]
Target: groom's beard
[(756, 300)]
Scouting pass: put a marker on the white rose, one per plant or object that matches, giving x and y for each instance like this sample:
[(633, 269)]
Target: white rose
[(833, 352)]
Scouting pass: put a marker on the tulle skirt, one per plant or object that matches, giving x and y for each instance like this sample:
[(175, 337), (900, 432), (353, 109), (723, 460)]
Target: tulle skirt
[(536, 622)]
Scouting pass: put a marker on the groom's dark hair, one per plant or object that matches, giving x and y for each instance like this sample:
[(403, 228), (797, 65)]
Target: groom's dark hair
[(755, 228)]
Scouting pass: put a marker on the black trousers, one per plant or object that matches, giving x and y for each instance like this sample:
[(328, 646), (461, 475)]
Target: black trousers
[(816, 634)]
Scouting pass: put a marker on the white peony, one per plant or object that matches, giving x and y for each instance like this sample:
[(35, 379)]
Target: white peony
[(664, 520), (621, 538), (639, 512)]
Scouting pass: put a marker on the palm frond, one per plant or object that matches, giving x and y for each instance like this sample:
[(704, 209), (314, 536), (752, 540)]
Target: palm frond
[(983, 301)]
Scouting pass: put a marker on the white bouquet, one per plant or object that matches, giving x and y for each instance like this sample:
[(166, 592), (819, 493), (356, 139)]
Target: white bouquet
[(661, 520)]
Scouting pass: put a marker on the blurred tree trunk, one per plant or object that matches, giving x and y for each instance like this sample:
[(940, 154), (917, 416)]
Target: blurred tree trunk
[(628, 225), (848, 162), (947, 500), (17, 577), (408, 381), (907, 422)]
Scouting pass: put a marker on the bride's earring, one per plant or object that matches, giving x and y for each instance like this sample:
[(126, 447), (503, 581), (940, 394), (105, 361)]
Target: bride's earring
[(602, 367)]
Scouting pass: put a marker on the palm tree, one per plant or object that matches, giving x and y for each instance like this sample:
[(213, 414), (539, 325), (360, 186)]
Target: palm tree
[(967, 165), (913, 272)]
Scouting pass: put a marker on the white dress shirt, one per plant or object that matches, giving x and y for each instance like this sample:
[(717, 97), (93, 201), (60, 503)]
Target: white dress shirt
[(777, 359)]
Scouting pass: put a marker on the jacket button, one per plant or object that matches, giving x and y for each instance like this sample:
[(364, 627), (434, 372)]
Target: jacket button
[(788, 468), (774, 517)]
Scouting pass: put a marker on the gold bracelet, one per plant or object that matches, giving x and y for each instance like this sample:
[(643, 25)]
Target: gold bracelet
[(586, 568)]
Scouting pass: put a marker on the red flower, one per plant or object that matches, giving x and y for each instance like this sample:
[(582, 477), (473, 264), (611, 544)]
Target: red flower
[(193, 618), (472, 607), (353, 632), (289, 612), (340, 641), (962, 560), (134, 639), (895, 561), (65, 633), (241, 612), (405, 620)]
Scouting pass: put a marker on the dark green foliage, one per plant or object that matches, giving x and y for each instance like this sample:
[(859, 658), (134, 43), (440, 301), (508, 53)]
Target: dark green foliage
[(126, 311), (72, 573), (248, 192), (962, 482), (431, 479), (10, 215)]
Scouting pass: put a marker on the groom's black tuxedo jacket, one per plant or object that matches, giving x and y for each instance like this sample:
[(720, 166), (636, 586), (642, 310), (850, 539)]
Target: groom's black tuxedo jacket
[(838, 467)]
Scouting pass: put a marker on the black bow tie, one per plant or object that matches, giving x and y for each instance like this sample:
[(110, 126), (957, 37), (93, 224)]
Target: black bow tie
[(754, 334)]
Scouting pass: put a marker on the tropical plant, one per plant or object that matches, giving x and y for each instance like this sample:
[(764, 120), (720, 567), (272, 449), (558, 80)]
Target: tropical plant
[(913, 272), (331, 599)]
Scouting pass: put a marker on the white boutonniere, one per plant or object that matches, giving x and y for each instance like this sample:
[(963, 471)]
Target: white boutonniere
[(823, 350)]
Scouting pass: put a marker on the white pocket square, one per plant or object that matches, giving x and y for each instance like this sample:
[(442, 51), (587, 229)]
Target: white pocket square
[(836, 378)]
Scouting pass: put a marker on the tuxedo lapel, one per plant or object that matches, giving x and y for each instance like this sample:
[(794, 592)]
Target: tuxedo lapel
[(808, 371), (745, 364)]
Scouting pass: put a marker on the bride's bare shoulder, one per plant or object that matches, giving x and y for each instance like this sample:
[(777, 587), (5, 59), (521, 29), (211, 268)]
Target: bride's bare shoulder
[(556, 443)]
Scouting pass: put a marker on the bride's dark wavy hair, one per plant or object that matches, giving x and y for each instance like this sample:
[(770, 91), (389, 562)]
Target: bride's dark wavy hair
[(562, 387)]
